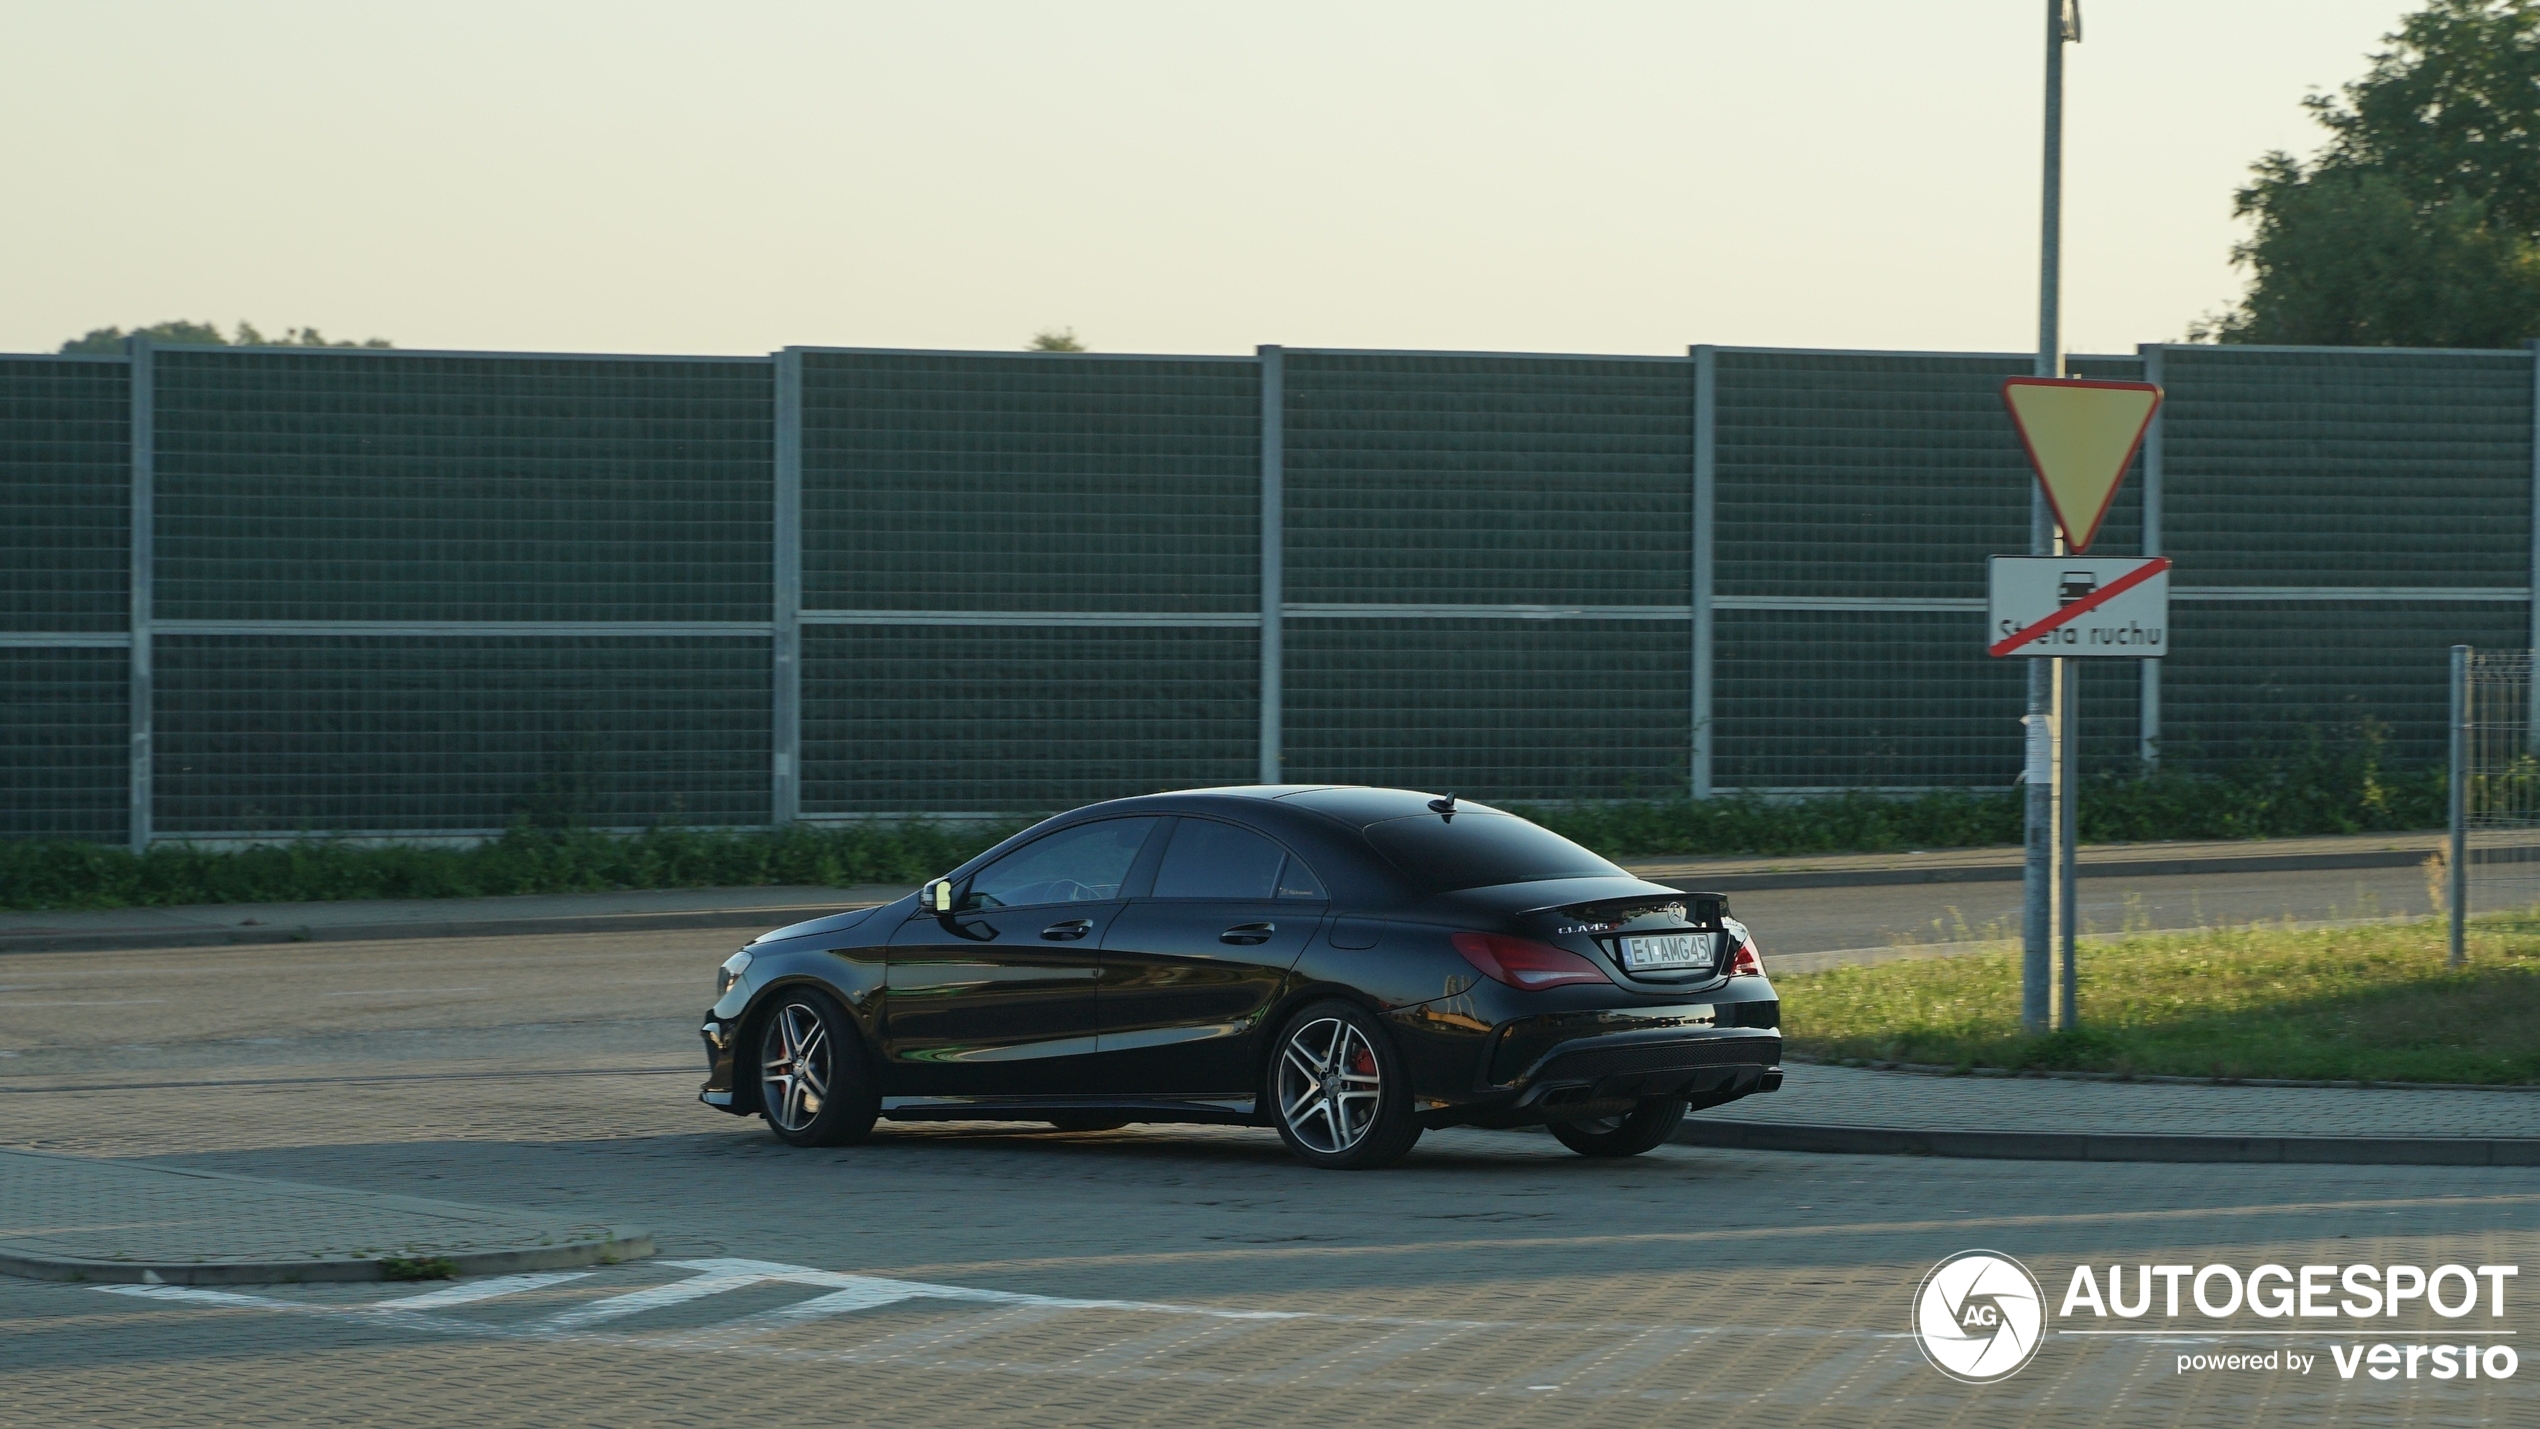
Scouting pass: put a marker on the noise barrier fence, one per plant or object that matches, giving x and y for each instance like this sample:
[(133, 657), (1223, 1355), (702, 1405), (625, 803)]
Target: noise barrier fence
[(263, 592)]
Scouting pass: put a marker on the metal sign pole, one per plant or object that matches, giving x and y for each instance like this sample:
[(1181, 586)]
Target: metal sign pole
[(2459, 791), (2067, 839), (2038, 882)]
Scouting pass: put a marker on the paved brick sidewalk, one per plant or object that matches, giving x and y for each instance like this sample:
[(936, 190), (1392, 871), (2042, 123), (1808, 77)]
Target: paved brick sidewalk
[(70, 1217), (1848, 1096)]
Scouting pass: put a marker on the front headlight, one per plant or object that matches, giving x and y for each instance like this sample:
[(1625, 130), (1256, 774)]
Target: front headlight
[(730, 972)]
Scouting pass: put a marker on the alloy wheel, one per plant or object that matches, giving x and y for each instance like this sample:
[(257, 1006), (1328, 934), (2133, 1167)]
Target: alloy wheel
[(1330, 1085), (794, 1067)]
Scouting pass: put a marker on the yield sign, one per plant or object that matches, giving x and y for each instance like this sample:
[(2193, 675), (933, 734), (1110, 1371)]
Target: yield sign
[(2080, 437)]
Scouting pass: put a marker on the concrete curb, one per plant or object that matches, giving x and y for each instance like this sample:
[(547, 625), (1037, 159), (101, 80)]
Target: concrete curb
[(2112, 1146), (2005, 1074), (760, 918), (623, 1243)]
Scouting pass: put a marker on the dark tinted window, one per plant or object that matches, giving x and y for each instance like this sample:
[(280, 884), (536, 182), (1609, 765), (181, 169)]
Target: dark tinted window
[(1085, 864), (1470, 850), (1298, 881), (1213, 860)]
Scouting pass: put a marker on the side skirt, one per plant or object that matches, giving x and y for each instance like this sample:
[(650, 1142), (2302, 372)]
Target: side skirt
[(1220, 1111)]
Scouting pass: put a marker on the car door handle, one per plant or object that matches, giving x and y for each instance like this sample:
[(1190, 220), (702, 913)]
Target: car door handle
[(1245, 935), (1068, 931)]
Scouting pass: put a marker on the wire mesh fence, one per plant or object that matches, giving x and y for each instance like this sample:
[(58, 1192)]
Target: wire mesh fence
[(372, 486), (439, 592), (2338, 520), (2500, 780), (1487, 563)]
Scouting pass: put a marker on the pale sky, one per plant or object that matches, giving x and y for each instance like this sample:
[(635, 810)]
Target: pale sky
[(567, 175)]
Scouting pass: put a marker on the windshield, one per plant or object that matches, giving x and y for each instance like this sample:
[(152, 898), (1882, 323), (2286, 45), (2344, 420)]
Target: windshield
[(1442, 853)]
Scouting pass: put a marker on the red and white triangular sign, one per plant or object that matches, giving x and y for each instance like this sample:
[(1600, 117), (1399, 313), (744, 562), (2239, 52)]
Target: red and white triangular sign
[(2081, 435)]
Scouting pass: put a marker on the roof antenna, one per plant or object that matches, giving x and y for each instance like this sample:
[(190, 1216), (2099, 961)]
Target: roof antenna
[(1443, 806)]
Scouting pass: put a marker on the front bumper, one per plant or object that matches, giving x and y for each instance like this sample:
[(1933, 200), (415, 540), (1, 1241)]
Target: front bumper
[(721, 1085)]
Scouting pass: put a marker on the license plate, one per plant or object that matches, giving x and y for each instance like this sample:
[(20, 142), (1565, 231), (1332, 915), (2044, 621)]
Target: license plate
[(1666, 950)]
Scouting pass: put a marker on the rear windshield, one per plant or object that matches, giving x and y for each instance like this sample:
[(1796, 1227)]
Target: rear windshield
[(1475, 850)]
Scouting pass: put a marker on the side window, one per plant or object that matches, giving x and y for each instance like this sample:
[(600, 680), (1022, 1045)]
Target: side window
[(1298, 881), (1213, 860), (1085, 864)]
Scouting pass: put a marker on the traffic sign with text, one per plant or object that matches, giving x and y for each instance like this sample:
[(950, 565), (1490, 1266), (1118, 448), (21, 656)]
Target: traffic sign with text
[(2115, 606)]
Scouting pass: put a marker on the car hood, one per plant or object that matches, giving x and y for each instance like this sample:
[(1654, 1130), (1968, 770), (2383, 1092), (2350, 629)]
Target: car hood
[(834, 923)]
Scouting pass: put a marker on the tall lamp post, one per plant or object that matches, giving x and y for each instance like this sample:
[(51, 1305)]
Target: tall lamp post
[(2046, 912)]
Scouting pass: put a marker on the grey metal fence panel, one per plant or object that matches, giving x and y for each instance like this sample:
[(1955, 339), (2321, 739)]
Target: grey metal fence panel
[(273, 735), (1488, 572), (429, 592), (63, 741), (1030, 580), (393, 487), (2339, 518), (1006, 719), (1050, 483), (64, 494), (65, 509), (2250, 680), (1492, 708), (1466, 478)]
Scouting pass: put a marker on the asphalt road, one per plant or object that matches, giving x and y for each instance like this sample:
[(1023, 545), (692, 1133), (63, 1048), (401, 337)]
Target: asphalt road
[(1183, 1277)]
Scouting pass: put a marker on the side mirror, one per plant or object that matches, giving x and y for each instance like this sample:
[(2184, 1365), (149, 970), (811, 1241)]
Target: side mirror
[(939, 896)]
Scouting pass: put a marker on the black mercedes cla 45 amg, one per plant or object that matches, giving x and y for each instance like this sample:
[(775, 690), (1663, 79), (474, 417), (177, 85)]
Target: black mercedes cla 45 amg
[(1348, 965)]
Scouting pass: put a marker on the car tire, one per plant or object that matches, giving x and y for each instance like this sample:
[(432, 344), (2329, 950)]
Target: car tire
[(1645, 1126), (1338, 1091), (814, 1089), (1090, 1121)]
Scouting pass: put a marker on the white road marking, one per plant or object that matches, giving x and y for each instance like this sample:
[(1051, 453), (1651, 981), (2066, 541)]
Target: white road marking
[(115, 1002), (472, 1291), (402, 991), (190, 1295), (1135, 1353), (677, 1292)]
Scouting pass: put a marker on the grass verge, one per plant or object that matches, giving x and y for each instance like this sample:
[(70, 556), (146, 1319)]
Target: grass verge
[(2371, 1003)]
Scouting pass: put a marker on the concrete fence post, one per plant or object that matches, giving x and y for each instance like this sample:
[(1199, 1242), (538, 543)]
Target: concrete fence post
[(785, 641), (1706, 475), (1274, 471), (142, 693)]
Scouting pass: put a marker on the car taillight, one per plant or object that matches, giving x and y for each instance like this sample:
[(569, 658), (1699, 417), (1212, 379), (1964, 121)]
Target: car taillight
[(1748, 962), (1525, 963)]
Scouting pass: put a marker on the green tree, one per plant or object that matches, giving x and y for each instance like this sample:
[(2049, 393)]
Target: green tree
[(178, 332), (1056, 339), (2418, 224)]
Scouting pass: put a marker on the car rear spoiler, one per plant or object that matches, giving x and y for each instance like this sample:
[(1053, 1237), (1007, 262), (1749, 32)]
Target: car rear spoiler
[(1702, 910)]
